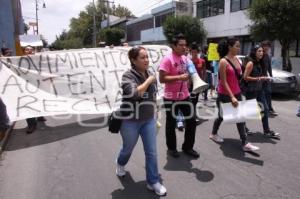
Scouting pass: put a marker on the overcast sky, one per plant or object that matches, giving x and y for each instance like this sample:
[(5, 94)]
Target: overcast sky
[(57, 14)]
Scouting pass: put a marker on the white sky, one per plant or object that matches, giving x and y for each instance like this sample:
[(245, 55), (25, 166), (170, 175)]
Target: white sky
[(57, 14)]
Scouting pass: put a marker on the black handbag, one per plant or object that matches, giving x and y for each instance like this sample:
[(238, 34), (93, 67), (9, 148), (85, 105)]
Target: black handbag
[(115, 121)]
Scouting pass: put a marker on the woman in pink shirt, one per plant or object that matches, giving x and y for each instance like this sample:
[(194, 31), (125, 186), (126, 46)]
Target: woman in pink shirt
[(229, 89)]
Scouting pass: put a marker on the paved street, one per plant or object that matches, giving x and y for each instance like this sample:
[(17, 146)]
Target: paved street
[(63, 160)]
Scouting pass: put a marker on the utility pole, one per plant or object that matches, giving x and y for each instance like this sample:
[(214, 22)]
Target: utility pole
[(107, 7), (36, 14), (94, 25)]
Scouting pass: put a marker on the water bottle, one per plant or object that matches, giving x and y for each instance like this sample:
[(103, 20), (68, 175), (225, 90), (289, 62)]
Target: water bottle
[(180, 121)]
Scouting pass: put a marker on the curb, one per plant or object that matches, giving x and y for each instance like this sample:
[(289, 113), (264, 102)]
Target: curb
[(5, 139)]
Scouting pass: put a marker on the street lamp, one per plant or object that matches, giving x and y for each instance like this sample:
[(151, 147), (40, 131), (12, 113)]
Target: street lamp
[(36, 14)]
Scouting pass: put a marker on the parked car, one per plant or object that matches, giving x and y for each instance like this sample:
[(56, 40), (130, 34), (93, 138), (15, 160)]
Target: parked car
[(282, 81)]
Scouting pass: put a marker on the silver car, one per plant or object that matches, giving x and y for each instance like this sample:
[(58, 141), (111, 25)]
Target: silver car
[(283, 81)]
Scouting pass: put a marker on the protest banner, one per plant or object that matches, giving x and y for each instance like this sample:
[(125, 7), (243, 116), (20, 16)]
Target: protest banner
[(85, 81)]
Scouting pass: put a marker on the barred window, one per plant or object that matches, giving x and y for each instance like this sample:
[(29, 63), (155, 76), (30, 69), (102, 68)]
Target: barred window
[(209, 8), (236, 5)]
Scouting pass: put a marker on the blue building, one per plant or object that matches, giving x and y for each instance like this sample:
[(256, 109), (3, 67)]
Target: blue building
[(11, 23)]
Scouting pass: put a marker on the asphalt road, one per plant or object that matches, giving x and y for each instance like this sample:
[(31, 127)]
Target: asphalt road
[(65, 160)]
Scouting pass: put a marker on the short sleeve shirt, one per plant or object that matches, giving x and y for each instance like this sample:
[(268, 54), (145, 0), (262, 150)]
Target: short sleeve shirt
[(173, 65)]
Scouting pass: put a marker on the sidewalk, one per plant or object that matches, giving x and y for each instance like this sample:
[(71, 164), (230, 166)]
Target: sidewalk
[(5, 139)]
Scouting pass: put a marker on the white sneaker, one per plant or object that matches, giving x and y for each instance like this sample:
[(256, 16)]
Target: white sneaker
[(120, 170), (250, 147), (216, 138), (158, 188)]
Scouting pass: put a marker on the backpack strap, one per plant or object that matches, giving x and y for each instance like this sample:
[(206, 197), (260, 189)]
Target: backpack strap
[(238, 76)]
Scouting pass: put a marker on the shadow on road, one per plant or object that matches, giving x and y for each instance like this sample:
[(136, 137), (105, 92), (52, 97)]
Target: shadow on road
[(232, 148), (46, 134), (133, 189), (183, 163), (259, 137), (286, 97)]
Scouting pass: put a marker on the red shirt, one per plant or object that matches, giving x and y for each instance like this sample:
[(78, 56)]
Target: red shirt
[(199, 65)]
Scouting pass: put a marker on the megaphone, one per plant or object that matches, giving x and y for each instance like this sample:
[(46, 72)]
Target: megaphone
[(198, 84)]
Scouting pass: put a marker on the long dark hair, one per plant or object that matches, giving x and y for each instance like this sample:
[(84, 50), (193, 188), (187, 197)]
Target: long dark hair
[(252, 57), (223, 46), (133, 53)]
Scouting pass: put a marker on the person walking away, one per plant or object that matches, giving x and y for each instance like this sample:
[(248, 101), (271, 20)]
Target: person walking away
[(267, 71)]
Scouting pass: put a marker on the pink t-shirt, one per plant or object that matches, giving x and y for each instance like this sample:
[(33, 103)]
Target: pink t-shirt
[(173, 64), (231, 80)]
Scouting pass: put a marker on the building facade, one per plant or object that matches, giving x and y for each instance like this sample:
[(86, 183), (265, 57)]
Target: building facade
[(225, 18), (11, 23), (148, 28)]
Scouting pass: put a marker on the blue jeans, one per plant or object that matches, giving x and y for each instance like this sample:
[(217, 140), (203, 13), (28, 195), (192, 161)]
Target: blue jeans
[(130, 131), (261, 98), (267, 88)]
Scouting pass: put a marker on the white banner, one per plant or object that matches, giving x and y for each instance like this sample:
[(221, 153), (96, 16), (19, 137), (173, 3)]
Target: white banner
[(85, 81)]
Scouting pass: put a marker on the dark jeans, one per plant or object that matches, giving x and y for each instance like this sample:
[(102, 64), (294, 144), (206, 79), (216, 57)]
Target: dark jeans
[(4, 120), (194, 99), (240, 126), (268, 93), (261, 98), (190, 127), (31, 122)]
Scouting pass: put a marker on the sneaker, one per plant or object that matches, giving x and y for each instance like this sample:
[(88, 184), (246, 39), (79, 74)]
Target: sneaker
[(173, 153), (250, 147), (271, 134), (249, 132), (158, 188), (120, 171), (31, 129), (192, 153), (216, 138), (272, 113)]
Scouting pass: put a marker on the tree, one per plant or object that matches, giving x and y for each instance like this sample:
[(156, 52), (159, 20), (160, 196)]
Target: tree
[(276, 19), (112, 35), (65, 41), (191, 27), (81, 28), (121, 11)]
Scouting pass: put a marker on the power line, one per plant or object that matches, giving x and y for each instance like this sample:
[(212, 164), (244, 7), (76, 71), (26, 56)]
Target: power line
[(141, 11)]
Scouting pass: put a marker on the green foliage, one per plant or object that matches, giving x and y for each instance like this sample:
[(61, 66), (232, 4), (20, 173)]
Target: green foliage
[(112, 36), (64, 41), (276, 19), (81, 28), (191, 27)]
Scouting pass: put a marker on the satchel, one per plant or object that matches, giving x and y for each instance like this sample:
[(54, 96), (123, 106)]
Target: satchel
[(115, 121)]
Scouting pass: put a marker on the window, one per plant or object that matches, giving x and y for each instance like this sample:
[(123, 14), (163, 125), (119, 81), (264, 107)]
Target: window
[(209, 8), (237, 5), (160, 19)]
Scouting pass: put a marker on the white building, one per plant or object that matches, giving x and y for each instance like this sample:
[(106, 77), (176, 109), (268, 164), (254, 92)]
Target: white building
[(223, 18)]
